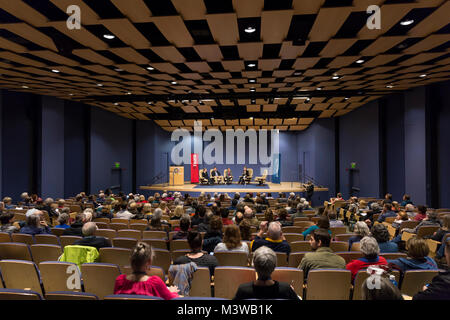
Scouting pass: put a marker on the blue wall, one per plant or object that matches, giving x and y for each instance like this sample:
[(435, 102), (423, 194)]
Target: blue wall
[(443, 129)]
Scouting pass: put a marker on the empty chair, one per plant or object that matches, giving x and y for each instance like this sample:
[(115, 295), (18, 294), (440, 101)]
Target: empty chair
[(102, 225), (337, 230), (328, 284), (118, 256), (19, 294), (22, 238), (156, 243), (344, 237), (57, 231), (179, 245), (130, 297), (315, 219), (99, 278), (128, 243), (293, 237), (139, 221), (46, 239), (414, 280), (70, 295), (120, 220), (301, 219), (230, 258), (337, 246), (118, 226), (20, 274), (60, 276), (161, 258), (300, 246), (128, 233), (350, 255), (223, 287), (293, 276), (295, 258), (201, 283), (303, 224), (282, 259), (361, 276), (102, 220), (154, 235), (291, 229), (11, 250), (426, 231), (138, 226), (5, 237), (45, 252), (106, 233), (68, 240)]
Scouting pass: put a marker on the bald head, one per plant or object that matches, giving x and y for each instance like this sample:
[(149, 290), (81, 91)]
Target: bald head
[(274, 230), (89, 229), (248, 213)]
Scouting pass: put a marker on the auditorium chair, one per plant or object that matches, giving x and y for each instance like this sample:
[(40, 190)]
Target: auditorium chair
[(355, 246), (426, 231), (139, 221), (337, 230), (18, 216), (5, 237), (315, 219), (161, 258), (392, 256), (179, 245), (174, 223), (442, 210), (99, 278), (154, 235), (128, 243), (410, 224), (328, 284), (344, 237), (118, 226), (293, 237), (414, 280), (138, 226), (69, 295), (303, 224), (293, 276), (201, 283), (362, 276), (12, 250), (19, 294), (262, 180), (295, 258), (102, 220), (46, 239), (106, 233), (75, 208), (228, 279), (22, 238), (238, 259), (338, 246), (55, 276), (129, 233), (178, 253), (58, 231), (45, 252), (290, 229), (102, 225), (68, 240), (20, 274), (118, 256), (301, 219), (282, 259), (350, 255), (153, 271), (156, 243), (300, 246)]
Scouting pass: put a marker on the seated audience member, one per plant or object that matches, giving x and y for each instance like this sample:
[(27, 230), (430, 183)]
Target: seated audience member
[(7, 220), (299, 211), (232, 241), (395, 206), (440, 234), (410, 210), (265, 262), (334, 222), (124, 213), (387, 199), (233, 206), (63, 221), (155, 222), (76, 226), (421, 213), (214, 234), (406, 200), (105, 211), (268, 215), (386, 290), (165, 209), (322, 223), (204, 225), (361, 230), (371, 251), (439, 288), (138, 282), (238, 218), (386, 213), (274, 240), (7, 202), (185, 224), (381, 234), (36, 225), (245, 230), (199, 216), (177, 213), (322, 256), (338, 198), (417, 259), (431, 220), (248, 215), (200, 258), (401, 216), (90, 239), (283, 218), (224, 214)]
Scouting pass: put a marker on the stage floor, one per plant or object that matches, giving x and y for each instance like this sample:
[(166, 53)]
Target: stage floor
[(270, 187)]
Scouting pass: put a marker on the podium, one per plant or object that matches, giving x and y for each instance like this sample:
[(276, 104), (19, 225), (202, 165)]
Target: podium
[(176, 176)]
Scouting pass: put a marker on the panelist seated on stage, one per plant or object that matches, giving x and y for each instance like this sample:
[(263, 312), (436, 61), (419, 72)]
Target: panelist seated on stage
[(244, 176), (216, 177), (204, 177), (228, 176)]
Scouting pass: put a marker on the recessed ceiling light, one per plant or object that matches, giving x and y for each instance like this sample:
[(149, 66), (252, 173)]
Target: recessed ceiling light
[(108, 36), (212, 118), (346, 98), (318, 88), (252, 89), (150, 103), (335, 77), (173, 82), (55, 71), (128, 93), (25, 87), (308, 99), (360, 61), (251, 118), (118, 70), (99, 85), (297, 73), (407, 22), (70, 94), (423, 75), (148, 83), (150, 68), (250, 30), (389, 86), (251, 65), (252, 80), (116, 103)]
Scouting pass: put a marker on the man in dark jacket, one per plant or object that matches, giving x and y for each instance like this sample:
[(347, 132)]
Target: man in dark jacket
[(75, 228), (274, 240), (89, 238), (214, 234)]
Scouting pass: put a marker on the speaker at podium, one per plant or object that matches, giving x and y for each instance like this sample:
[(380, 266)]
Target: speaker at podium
[(176, 176)]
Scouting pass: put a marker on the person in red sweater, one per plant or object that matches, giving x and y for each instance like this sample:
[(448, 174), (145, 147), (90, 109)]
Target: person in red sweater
[(371, 251), (138, 282), (224, 212), (421, 213)]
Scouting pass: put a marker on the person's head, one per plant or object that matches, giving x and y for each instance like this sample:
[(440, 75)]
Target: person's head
[(422, 209), (89, 229), (417, 248), (7, 200), (274, 230), (185, 222), (88, 214), (446, 222), (141, 257), (282, 214), (224, 212), (374, 206), (380, 233), (332, 215), (33, 220), (385, 290), (320, 238), (245, 230), (157, 214), (387, 207), (63, 218), (402, 215), (123, 206), (339, 195), (232, 236), (6, 218), (409, 207), (323, 222), (406, 197), (80, 217), (146, 208), (179, 211), (432, 215), (361, 229), (215, 224), (239, 218), (265, 262), (388, 196), (268, 215), (195, 241), (369, 247)]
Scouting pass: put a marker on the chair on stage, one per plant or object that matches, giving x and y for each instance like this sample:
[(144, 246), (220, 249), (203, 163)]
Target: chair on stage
[(248, 178), (262, 180), (227, 180), (217, 179)]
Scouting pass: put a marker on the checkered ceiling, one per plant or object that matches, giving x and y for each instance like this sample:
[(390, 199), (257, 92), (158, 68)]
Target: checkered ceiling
[(230, 63)]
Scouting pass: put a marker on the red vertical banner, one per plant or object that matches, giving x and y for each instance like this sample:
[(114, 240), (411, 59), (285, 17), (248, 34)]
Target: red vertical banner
[(194, 168)]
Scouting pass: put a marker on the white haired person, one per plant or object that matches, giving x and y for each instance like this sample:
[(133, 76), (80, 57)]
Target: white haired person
[(265, 262), (371, 251), (379, 287), (274, 239), (361, 230), (138, 282)]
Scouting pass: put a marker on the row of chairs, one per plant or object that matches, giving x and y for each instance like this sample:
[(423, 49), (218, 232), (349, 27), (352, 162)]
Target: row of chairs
[(99, 278)]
